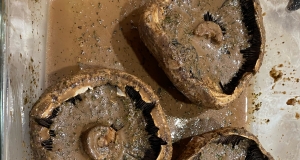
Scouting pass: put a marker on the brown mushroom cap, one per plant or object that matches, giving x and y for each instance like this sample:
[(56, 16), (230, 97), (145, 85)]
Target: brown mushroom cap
[(97, 136), (183, 61), (225, 136)]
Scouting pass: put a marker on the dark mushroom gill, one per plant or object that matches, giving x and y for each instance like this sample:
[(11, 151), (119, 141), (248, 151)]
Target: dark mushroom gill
[(293, 5), (250, 54), (154, 140)]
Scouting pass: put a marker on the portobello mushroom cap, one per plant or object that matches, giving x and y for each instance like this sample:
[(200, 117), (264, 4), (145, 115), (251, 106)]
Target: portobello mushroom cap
[(209, 53), (99, 114), (225, 143)]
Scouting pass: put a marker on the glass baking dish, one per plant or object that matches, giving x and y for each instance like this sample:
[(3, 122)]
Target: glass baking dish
[(272, 105)]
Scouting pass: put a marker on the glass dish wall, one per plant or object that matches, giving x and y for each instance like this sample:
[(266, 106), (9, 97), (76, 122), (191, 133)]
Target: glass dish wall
[(273, 106)]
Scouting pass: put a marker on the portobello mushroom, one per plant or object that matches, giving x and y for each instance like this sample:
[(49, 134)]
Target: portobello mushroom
[(209, 49), (226, 143), (99, 114)]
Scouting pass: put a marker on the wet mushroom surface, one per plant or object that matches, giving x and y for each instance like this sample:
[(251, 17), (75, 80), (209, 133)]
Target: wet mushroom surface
[(226, 143), (99, 114), (208, 50)]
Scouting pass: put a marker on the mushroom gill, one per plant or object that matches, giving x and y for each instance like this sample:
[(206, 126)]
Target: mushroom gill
[(99, 114), (226, 143), (293, 5), (208, 49)]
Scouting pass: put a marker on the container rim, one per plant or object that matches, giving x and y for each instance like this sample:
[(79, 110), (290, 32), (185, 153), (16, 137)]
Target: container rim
[(3, 74)]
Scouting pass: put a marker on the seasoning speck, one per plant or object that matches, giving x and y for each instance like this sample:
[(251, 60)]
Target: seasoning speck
[(297, 116), (276, 74), (291, 101)]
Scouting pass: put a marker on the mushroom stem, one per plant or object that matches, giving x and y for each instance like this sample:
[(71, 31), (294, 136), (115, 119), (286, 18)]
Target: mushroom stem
[(210, 30), (96, 139)]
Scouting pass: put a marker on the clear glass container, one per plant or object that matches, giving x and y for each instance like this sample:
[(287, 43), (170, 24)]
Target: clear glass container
[(23, 38), (272, 107)]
